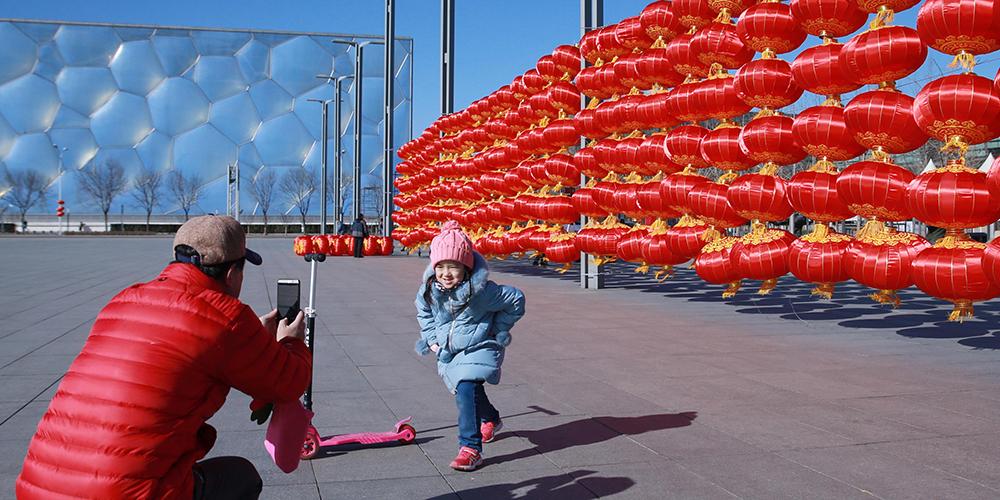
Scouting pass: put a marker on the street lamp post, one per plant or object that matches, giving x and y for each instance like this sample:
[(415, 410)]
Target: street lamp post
[(358, 79), (322, 148), (337, 147), (60, 152)]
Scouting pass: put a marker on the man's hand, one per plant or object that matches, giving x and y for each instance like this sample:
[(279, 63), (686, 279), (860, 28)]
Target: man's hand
[(270, 322), (296, 329), (434, 348)]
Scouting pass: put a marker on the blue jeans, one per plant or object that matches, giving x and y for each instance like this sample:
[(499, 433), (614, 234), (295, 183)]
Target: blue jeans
[(473, 409)]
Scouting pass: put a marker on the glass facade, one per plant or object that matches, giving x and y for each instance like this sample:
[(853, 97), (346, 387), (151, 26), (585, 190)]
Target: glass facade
[(191, 101)]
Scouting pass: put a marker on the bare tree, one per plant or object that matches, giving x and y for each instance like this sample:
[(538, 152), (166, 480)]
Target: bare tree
[(147, 193), (183, 190), (263, 192), (25, 189), (102, 183), (298, 185)]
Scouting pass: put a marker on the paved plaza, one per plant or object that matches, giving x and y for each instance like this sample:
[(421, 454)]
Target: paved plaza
[(642, 390)]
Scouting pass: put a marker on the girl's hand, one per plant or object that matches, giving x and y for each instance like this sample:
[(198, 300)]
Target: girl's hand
[(434, 348)]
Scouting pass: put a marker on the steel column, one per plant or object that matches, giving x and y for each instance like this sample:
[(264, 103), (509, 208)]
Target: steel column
[(447, 57), (591, 18), (389, 100)]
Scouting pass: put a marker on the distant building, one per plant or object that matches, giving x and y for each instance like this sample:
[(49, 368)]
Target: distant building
[(189, 100)]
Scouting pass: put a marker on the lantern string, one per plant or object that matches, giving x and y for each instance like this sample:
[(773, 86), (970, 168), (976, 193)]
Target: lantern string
[(957, 143), (724, 16), (966, 59), (644, 268)]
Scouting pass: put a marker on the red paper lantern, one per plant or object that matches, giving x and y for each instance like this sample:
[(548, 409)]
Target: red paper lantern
[(875, 190), (608, 44), (718, 43), (674, 189), (882, 120), (627, 72), (681, 54), (562, 249), (687, 237), (952, 270), (767, 83), (881, 260), (708, 202), (882, 55), (587, 163), (828, 18), (959, 110), (813, 193), (684, 145), (693, 13), (760, 196), (818, 258), (885, 7), (952, 197), (960, 27), (822, 131), (654, 157), (715, 264), (657, 252), (632, 34), (657, 68), (770, 26), (567, 59), (686, 102), (659, 21), (588, 126), (651, 202), (769, 139), (630, 246), (991, 261), (565, 97), (722, 98), (561, 169), (583, 202), (303, 245), (652, 112), (762, 254), (721, 149)]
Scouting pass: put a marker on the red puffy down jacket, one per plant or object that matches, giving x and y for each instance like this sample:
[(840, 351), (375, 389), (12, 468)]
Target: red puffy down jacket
[(129, 418)]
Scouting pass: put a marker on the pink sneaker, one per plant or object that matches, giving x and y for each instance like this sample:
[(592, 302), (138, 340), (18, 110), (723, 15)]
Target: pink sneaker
[(490, 430), (467, 459)]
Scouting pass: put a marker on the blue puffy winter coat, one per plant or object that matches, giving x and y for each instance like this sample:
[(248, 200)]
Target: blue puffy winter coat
[(471, 339)]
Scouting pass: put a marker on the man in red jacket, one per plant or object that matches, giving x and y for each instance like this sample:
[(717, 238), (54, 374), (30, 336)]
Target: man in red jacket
[(129, 418)]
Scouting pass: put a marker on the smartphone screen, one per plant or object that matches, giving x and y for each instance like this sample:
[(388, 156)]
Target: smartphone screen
[(288, 299)]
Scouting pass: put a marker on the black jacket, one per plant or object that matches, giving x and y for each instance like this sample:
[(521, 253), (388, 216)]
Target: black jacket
[(359, 228)]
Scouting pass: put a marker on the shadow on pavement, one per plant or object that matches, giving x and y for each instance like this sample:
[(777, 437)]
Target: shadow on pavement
[(558, 487), (919, 316), (589, 431)]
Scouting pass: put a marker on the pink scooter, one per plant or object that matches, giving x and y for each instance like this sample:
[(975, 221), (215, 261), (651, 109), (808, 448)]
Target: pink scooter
[(402, 432)]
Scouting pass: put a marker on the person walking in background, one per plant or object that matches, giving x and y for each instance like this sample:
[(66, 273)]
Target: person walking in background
[(128, 420), (465, 319), (341, 228), (359, 230)]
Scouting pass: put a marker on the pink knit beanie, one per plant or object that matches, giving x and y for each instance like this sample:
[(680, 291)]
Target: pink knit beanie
[(452, 244)]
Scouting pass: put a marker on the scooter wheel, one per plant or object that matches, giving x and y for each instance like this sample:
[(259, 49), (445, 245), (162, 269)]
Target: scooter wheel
[(310, 447), (411, 434)]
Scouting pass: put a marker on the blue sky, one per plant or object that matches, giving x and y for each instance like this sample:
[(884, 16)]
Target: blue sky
[(495, 41)]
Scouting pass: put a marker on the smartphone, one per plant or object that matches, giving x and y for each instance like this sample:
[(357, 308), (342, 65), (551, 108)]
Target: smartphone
[(288, 299)]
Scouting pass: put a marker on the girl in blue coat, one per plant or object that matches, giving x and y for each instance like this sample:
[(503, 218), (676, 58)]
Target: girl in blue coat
[(465, 319)]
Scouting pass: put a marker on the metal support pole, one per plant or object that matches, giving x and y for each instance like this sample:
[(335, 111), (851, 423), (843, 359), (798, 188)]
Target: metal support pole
[(310, 325), (591, 18), (389, 101), (447, 57), (358, 79), (338, 157), (323, 188)]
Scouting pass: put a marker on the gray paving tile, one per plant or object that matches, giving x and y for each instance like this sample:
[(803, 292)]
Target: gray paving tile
[(887, 476), (662, 480), (768, 476), (390, 489), (969, 457), (940, 420)]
